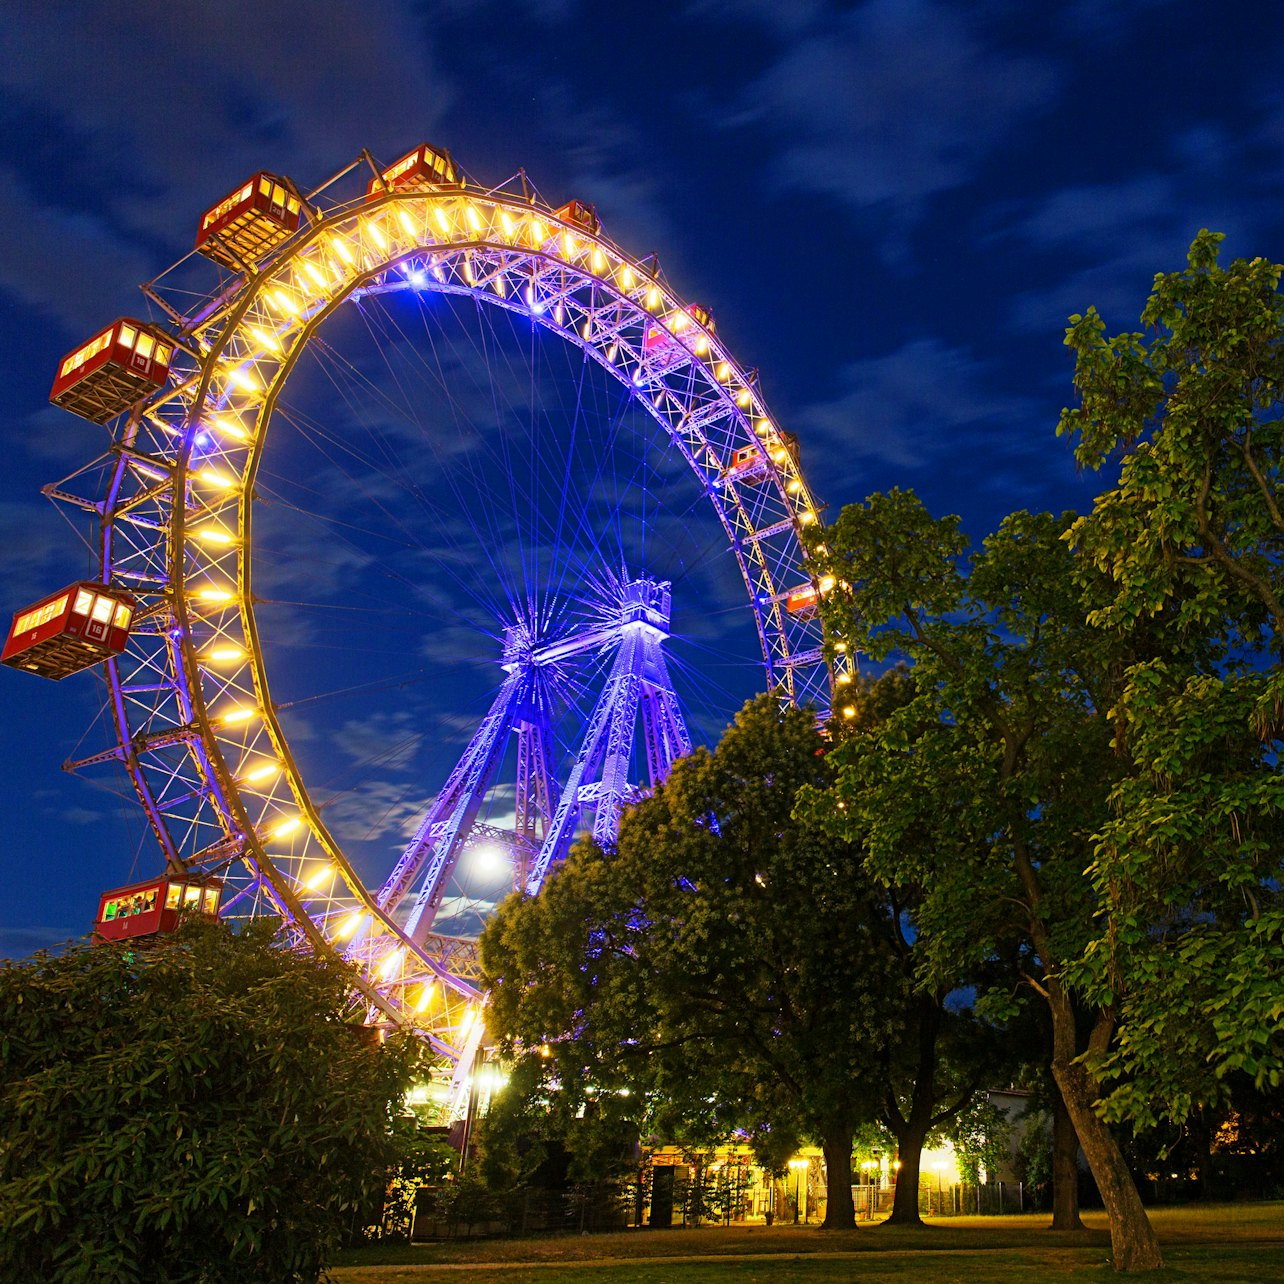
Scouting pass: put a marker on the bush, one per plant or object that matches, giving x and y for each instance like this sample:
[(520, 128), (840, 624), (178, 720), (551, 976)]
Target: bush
[(199, 1108)]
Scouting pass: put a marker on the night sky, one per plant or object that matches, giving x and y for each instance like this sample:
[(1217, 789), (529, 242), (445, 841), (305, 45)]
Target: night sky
[(892, 207)]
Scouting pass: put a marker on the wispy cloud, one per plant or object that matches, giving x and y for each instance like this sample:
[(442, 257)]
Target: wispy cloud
[(160, 108), (891, 104), (908, 407)]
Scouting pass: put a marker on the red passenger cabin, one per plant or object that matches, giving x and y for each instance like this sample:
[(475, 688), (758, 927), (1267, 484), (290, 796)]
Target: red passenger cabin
[(144, 909), (801, 602), (425, 168), (748, 463), (581, 215), (657, 335), (74, 629), (249, 222), (105, 376)]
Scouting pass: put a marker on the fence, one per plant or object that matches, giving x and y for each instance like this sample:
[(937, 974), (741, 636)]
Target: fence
[(963, 1199)]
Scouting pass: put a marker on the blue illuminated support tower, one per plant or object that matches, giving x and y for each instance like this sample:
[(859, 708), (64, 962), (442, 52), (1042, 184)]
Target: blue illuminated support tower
[(633, 619), (639, 684)]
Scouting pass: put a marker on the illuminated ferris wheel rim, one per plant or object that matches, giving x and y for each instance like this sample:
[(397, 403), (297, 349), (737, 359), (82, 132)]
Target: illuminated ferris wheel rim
[(492, 246)]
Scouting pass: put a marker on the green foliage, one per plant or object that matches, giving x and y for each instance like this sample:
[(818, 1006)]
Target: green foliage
[(195, 1109), (980, 1133), (985, 789), (1034, 1156), (982, 789), (1188, 864), (422, 1158), (725, 966)]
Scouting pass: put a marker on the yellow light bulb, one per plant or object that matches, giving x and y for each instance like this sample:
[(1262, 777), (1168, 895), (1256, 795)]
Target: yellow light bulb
[(223, 655), (319, 877), (215, 596), (316, 274), (284, 828), (340, 247), (243, 380), (474, 219), (349, 925), (407, 223), (376, 235), (264, 771), (215, 535), (439, 217), (231, 717), (229, 427), (599, 260), (220, 481), (425, 996), (265, 340)]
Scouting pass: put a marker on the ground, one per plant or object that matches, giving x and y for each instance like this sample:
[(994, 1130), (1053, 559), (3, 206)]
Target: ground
[(1227, 1243)]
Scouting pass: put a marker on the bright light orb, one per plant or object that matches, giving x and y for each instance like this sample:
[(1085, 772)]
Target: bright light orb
[(490, 860)]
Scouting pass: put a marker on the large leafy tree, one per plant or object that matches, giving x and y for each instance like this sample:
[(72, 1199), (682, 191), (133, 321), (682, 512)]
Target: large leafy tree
[(942, 1055), (199, 1108), (985, 789), (1188, 865), (725, 963)]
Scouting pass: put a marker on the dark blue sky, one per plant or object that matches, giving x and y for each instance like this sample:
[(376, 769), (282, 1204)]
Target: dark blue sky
[(891, 206)]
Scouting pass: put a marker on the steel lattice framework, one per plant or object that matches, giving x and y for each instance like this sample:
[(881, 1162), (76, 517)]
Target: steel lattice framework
[(172, 504)]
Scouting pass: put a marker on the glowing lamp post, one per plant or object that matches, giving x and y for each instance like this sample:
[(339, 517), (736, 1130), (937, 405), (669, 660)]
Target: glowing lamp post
[(798, 1165)]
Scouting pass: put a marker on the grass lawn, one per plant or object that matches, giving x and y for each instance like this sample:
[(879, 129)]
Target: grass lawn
[(1223, 1242)]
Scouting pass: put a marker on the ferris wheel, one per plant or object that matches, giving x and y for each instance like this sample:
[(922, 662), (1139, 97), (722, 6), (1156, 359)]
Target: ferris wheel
[(322, 320)]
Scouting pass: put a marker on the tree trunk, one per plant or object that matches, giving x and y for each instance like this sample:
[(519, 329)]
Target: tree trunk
[(1065, 1167), (1200, 1132), (1132, 1238), (909, 1146), (911, 1132), (840, 1212)]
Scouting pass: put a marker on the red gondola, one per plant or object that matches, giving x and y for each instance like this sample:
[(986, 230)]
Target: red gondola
[(657, 335), (105, 376), (581, 215), (249, 222), (747, 464), (144, 909), (801, 601), (425, 168), (73, 629)]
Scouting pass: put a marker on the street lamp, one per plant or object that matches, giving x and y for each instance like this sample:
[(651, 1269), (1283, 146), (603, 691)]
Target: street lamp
[(798, 1165)]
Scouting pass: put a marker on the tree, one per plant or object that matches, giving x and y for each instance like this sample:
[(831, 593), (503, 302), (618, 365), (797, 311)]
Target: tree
[(1188, 864), (199, 1107), (726, 966), (985, 789)]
